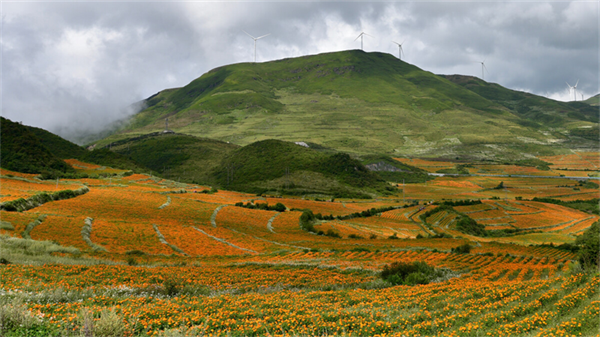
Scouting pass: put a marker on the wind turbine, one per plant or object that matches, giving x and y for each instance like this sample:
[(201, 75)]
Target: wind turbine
[(255, 38), (400, 51), (361, 35), (574, 88), (483, 67)]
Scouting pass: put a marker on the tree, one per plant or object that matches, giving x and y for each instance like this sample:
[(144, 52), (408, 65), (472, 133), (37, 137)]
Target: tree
[(589, 248), (279, 207)]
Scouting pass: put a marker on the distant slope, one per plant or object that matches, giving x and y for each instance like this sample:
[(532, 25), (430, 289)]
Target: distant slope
[(393, 170), (274, 165), (60, 147), (535, 110), (266, 166), (176, 156), (594, 100), (22, 151), (363, 103)]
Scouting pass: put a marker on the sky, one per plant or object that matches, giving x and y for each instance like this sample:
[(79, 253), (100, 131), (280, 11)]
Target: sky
[(74, 68)]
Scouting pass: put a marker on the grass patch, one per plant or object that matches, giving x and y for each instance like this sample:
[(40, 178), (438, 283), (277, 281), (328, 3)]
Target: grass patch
[(31, 252)]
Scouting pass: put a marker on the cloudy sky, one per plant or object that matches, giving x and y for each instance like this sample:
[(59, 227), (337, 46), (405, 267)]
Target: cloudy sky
[(75, 67)]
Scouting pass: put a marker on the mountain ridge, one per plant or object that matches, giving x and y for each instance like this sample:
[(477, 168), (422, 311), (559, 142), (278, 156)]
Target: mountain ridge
[(362, 103)]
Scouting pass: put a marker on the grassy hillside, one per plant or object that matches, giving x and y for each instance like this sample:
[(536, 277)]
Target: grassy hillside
[(22, 151), (362, 103), (34, 150), (60, 147), (175, 156), (393, 170), (277, 166), (534, 110), (594, 100), (266, 166)]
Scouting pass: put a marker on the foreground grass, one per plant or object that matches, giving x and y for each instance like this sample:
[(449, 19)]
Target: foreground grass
[(19, 251), (284, 298)]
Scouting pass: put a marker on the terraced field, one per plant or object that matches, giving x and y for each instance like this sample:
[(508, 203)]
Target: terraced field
[(173, 259)]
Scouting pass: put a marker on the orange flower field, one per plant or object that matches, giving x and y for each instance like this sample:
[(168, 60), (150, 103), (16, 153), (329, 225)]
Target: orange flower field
[(168, 260)]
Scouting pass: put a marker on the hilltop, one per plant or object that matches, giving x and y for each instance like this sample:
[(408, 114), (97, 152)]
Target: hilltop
[(365, 103)]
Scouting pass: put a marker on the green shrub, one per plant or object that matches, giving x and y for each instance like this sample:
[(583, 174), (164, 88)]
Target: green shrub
[(171, 288), (279, 207), (469, 226), (462, 249), (307, 220), (416, 278), (135, 252), (589, 248), (409, 273), (332, 233)]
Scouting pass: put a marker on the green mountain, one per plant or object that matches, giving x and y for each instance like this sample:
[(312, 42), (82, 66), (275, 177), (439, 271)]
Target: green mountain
[(22, 151), (363, 103), (33, 150), (59, 147), (176, 156), (278, 166)]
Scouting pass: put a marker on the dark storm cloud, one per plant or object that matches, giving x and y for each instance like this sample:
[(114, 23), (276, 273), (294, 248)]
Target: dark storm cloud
[(74, 67)]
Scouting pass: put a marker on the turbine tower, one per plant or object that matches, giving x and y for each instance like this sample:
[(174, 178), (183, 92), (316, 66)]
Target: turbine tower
[(574, 88), (361, 35), (483, 67), (255, 38), (400, 51)]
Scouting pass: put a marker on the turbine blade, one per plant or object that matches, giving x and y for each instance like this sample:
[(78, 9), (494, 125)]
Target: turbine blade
[(359, 35), (397, 43), (263, 36), (368, 35), (576, 83), (248, 34)]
